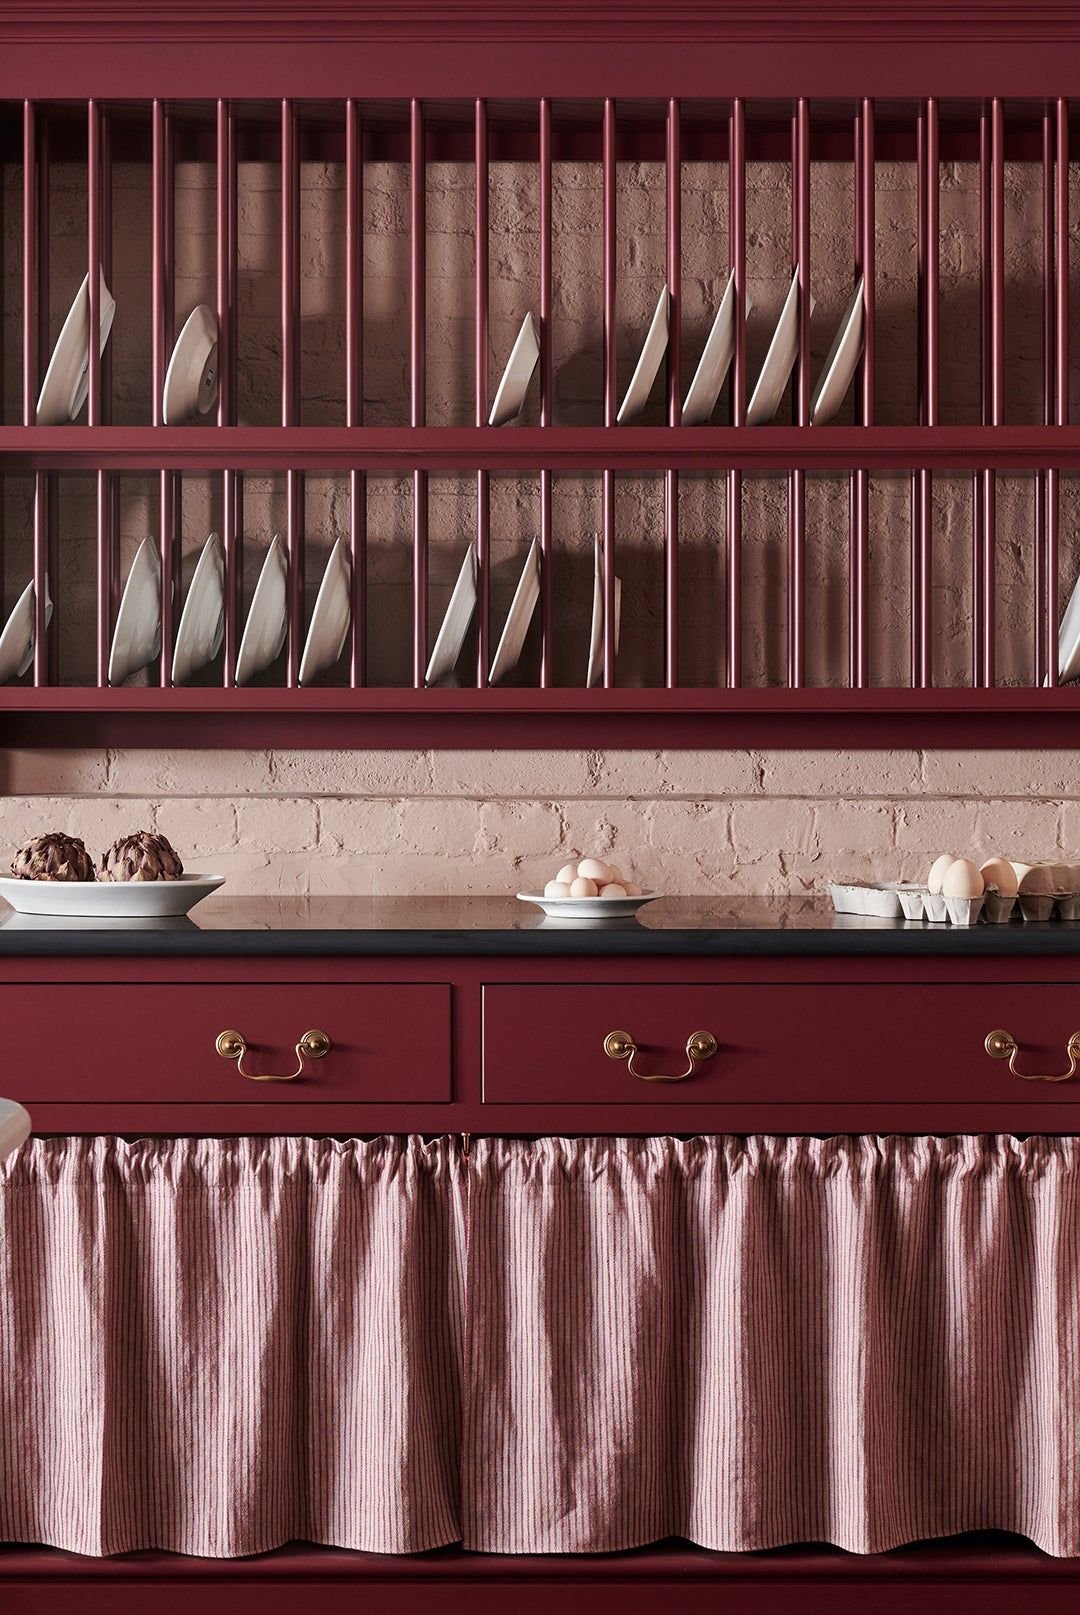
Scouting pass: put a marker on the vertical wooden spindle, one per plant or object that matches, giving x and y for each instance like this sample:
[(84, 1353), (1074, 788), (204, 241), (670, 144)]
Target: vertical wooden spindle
[(737, 265), (290, 377), (480, 366), (354, 267), (103, 515), (922, 664), (32, 256), (1061, 372), (547, 389), (93, 194), (859, 571), (227, 205), (354, 387), (610, 385), (158, 352), (1042, 635), (418, 377), (674, 400), (800, 252)]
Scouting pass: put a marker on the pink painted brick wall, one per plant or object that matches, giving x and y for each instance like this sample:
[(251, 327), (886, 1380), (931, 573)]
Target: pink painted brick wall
[(445, 822)]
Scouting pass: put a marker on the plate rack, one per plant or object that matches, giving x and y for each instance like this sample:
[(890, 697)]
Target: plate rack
[(119, 97)]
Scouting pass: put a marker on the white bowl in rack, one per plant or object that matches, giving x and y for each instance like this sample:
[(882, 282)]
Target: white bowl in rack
[(109, 899)]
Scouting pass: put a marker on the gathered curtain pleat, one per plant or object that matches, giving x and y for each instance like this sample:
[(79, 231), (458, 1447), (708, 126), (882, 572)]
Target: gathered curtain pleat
[(552, 1346), (217, 1346)]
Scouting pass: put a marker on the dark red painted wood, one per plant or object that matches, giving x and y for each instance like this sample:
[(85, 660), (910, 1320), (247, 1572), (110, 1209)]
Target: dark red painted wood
[(808, 1045), (779, 1044), (114, 1044), (563, 448)]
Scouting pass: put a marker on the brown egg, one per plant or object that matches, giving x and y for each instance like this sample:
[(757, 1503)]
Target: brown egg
[(593, 869), (583, 887), (557, 888), (962, 879), (999, 873), (613, 889)]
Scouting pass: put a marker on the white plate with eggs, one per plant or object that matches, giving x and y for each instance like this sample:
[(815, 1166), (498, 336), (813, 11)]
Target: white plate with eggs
[(589, 889)]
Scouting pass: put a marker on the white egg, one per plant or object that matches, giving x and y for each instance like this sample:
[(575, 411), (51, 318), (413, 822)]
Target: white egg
[(567, 873), (999, 873), (557, 888), (583, 887), (593, 869), (962, 879), (631, 889), (614, 889), (615, 875), (937, 871)]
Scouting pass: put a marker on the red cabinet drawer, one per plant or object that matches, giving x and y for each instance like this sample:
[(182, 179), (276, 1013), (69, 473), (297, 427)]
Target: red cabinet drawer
[(777, 1043), (147, 1041)]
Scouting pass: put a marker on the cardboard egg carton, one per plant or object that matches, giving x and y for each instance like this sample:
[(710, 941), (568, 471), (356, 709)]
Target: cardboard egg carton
[(1047, 890)]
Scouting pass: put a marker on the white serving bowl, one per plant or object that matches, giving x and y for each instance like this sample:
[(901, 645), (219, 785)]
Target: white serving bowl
[(109, 899)]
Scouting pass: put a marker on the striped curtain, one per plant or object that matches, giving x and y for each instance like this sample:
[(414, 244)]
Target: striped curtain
[(217, 1346), (749, 1342), (558, 1346)]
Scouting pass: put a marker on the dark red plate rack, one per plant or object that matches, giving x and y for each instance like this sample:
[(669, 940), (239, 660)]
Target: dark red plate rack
[(987, 84)]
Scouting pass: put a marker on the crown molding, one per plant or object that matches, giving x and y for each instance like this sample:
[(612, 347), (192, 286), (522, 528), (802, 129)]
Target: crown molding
[(624, 21)]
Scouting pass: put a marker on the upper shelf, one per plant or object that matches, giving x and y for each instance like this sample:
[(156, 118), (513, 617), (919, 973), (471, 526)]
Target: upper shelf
[(522, 448)]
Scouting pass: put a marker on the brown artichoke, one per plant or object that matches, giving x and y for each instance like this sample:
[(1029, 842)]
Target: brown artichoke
[(142, 856), (53, 857)]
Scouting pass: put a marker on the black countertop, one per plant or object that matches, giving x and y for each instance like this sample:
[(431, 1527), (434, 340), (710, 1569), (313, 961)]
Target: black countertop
[(503, 926)]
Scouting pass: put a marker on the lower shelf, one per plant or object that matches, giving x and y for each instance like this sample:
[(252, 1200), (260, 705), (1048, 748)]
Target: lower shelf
[(517, 718), (989, 1569)]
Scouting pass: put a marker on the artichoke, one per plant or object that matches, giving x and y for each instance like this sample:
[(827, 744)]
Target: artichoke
[(53, 857), (142, 856)]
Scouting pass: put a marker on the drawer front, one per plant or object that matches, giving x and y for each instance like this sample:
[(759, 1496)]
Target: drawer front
[(149, 1042), (777, 1043)]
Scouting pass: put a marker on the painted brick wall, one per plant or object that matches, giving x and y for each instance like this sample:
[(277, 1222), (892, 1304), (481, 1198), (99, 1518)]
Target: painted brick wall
[(459, 822), (446, 822)]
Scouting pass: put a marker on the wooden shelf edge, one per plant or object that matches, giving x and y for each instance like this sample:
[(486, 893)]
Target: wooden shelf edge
[(451, 449), (470, 719), (960, 1560)]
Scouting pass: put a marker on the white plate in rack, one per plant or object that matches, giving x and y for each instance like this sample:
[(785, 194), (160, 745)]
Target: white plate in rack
[(840, 362), (331, 617), (588, 908), (515, 379), (455, 624), (649, 362), (1069, 639), (202, 622), (137, 635), (108, 899), (191, 380), (715, 361), (17, 639), (512, 639), (63, 392), (267, 621), (779, 361)]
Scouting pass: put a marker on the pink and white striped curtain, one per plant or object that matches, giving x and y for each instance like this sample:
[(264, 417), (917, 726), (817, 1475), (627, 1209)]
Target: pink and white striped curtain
[(217, 1346), (559, 1346)]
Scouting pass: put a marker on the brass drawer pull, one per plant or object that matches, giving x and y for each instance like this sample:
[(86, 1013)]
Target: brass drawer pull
[(312, 1046), (621, 1046), (1002, 1046)]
